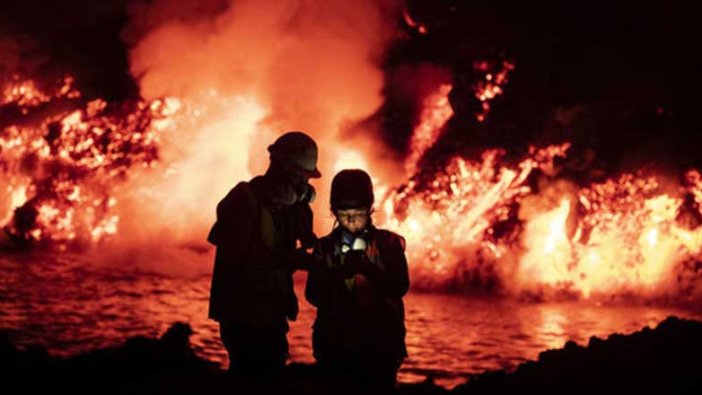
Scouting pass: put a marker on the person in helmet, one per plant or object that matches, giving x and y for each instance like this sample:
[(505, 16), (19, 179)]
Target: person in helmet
[(259, 225), (357, 288)]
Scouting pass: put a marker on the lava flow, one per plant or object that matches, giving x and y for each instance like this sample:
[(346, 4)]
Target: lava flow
[(63, 157), (484, 225), (491, 226)]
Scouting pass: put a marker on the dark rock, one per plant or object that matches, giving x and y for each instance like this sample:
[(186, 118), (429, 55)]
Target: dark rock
[(665, 359)]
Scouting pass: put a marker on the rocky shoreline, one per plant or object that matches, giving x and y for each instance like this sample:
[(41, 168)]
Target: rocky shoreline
[(666, 359)]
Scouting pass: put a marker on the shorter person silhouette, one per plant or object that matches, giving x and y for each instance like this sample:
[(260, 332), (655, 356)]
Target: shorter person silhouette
[(359, 333)]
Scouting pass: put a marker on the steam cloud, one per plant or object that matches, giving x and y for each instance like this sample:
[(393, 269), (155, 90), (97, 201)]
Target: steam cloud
[(250, 70)]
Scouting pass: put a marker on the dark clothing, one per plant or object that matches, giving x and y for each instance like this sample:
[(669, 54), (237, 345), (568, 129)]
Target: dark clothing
[(257, 353), (252, 288), (360, 318)]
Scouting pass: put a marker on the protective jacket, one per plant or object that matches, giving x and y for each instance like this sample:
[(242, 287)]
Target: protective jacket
[(359, 317), (252, 282)]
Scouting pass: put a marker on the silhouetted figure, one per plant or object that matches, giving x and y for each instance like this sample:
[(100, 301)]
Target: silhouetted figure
[(258, 226), (359, 332)]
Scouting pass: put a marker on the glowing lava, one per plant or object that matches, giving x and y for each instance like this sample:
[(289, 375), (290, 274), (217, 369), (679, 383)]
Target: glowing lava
[(436, 112), (487, 224), (498, 227), (63, 156)]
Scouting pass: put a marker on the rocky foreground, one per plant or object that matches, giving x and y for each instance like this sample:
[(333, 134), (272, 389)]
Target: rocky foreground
[(667, 359)]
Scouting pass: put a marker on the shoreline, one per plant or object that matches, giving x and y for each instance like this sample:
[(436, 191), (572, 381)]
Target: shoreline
[(668, 357)]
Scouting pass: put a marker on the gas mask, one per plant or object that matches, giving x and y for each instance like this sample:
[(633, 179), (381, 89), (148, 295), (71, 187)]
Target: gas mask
[(289, 187), (359, 244)]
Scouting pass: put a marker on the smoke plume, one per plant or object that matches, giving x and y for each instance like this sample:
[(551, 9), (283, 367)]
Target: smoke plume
[(248, 71)]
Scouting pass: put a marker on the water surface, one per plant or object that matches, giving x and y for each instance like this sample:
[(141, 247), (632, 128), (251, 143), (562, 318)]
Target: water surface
[(73, 304)]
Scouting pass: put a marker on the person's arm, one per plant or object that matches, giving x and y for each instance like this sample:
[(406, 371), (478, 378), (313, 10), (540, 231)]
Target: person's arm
[(318, 279), (304, 225), (237, 221), (236, 226)]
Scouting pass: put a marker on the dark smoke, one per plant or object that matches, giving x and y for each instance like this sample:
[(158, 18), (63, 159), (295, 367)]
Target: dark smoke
[(78, 37), (618, 78)]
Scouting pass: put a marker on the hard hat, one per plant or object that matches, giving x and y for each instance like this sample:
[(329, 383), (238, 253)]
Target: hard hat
[(298, 150), (351, 188)]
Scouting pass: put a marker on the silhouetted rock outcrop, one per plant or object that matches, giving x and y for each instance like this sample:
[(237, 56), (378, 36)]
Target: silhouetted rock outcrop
[(667, 359)]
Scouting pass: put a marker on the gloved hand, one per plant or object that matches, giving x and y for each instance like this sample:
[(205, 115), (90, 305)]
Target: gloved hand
[(354, 262)]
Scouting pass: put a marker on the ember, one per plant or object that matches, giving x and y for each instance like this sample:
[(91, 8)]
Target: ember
[(493, 76)]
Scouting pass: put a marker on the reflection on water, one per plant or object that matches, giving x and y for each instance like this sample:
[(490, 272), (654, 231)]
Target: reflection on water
[(72, 306), (453, 336)]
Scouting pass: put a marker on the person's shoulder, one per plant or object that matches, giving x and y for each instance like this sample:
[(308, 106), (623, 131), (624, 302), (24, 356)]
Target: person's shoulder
[(237, 196), (239, 188), (389, 237), (326, 243), (327, 239), (386, 233), (237, 191)]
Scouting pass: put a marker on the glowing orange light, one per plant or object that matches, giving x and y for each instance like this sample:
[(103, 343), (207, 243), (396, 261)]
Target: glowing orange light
[(74, 157), (437, 111), (491, 84)]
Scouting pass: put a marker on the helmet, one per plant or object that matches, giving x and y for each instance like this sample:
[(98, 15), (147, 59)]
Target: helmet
[(298, 150), (351, 188)]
